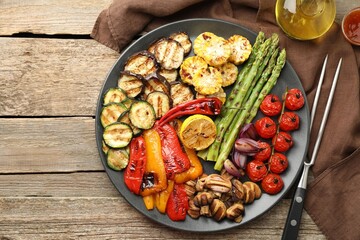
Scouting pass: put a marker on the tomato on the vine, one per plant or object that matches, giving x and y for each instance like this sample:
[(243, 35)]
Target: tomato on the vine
[(272, 183), (265, 127), (294, 99), (264, 152), (282, 142), (289, 121), (271, 105), (278, 163), (256, 170)]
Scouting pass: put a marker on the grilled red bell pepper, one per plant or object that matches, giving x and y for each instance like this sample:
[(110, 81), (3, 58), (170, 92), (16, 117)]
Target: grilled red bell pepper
[(205, 106), (178, 203), (135, 169), (175, 159)]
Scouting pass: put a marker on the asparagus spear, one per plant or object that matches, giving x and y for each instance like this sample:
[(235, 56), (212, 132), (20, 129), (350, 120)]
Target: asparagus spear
[(233, 131), (225, 121)]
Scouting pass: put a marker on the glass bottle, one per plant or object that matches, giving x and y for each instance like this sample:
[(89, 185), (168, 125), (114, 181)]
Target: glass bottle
[(305, 19)]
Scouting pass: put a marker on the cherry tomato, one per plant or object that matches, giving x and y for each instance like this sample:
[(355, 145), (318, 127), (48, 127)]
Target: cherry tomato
[(272, 183), (278, 163), (282, 142), (289, 121), (256, 170), (294, 99), (264, 153), (265, 127), (271, 105)]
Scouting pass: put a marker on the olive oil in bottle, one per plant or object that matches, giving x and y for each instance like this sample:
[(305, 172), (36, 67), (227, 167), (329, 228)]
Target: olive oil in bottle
[(305, 19)]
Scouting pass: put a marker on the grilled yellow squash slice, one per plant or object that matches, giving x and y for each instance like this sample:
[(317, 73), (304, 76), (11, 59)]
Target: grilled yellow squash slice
[(240, 49), (207, 81)]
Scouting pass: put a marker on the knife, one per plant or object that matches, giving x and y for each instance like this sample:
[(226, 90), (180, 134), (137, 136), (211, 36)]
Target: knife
[(292, 224)]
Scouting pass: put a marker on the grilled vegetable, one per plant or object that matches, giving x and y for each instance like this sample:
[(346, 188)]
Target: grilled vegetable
[(169, 53), (169, 75), (207, 81), (117, 135), (131, 83), (114, 95), (124, 118), (160, 101), (180, 93), (190, 67), (229, 72), (240, 49), (117, 159), (155, 83), (142, 115), (111, 112), (220, 95), (214, 49), (142, 63), (183, 39)]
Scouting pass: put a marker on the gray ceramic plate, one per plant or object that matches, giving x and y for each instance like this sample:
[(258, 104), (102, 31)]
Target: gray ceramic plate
[(296, 155)]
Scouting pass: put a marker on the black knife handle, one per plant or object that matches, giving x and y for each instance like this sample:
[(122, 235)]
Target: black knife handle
[(292, 225)]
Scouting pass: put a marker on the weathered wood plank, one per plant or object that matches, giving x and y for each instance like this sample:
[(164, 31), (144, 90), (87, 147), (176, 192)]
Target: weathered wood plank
[(114, 218), (49, 17), (52, 76), (72, 17), (33, 145)]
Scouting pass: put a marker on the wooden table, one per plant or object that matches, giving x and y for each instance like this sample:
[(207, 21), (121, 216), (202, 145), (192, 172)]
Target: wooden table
[(52, 183)]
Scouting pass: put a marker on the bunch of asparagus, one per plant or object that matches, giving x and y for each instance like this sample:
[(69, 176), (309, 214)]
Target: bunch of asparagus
[(255, 80)]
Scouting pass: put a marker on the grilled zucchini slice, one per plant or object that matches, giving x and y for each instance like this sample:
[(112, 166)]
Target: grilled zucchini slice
[(229, 72), (169, 53), (124, 118), (240, 49), (117, 159), (160, 101), (207, 81), (190, 67), (181, 93), (111, 112), (114, 95), (132, 84), (184, 40), (142, 63), (142, 115), (117, 135)]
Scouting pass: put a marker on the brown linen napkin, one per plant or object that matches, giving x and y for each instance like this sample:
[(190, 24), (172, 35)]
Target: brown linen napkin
[(333, 197)]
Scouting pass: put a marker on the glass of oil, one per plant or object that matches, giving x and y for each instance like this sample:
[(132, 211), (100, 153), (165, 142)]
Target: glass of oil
[(305, 19)]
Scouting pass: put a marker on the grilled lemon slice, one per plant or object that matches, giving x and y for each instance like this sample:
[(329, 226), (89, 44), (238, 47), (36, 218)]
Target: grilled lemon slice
[(190, 67), (207, 81), (240, 49), (198, 132)]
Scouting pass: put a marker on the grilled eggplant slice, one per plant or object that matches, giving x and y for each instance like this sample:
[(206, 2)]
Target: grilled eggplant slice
[(155, 83), (229, 72), (142, 115), (169, 53), (184, 39), (111, 112), (169, 75), (142, 63), (117, 135), (114, 95), (160, 101), (181, 93), (240, 49), (190, 67), (131, 83), (117, 159), (125, 119)]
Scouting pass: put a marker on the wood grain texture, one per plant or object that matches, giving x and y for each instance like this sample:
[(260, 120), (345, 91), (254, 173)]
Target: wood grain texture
[(73, 17), (108, 218), (47, 77), (35, 145)]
